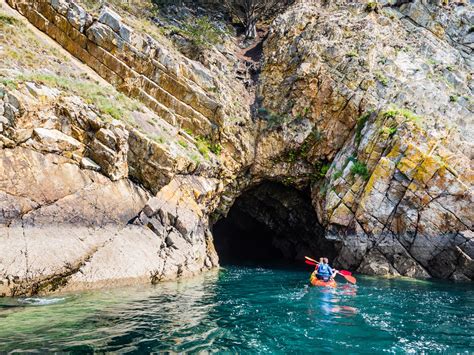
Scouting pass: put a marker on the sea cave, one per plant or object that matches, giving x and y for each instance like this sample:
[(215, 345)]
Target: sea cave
[(271, 224)]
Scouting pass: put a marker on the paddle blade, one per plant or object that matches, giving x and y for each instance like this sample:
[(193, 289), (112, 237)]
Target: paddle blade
[(310, 263), (314, 261), (350, 278), (345, 272)]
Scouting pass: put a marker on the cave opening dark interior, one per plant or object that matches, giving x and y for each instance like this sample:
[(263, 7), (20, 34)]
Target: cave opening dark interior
[(271, 225)]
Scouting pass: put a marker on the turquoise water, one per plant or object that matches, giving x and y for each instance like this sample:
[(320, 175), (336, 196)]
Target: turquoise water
[(242, 309)]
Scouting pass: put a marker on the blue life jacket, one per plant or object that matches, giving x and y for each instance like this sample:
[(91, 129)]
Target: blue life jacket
[(324, 270)]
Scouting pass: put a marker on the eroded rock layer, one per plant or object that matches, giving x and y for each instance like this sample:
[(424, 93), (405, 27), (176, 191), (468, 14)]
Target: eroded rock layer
[(367, 114), (71, 218), (383, 105)]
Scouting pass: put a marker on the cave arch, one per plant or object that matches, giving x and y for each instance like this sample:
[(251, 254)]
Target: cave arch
[(271, 223)]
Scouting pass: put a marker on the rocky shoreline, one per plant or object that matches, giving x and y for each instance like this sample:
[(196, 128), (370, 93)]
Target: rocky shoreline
[(368, 113)]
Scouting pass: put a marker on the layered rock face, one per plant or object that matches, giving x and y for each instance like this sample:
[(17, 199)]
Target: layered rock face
[(367, 113), (383, 104), (72, 218), (87, 200)]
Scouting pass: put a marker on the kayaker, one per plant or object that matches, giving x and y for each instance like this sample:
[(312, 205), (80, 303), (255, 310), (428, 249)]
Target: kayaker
[(321, 261), (324, 271)]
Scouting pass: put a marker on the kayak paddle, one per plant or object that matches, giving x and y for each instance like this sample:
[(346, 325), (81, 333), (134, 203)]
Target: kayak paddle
[(314, 261), (349, 278)]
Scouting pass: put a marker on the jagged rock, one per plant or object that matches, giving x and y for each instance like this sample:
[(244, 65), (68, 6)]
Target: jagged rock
[(78, 17), (60, 6), (114, 21), (103, 36), (110, 18), (54, 141), (372, 111), (393, 177), (41, 91), (87, 163), (375, 264)]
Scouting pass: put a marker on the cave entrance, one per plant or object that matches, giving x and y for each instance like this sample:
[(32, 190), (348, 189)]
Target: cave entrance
[(271, 224)]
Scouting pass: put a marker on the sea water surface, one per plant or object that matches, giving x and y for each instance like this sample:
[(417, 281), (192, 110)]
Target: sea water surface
[(248, 309)]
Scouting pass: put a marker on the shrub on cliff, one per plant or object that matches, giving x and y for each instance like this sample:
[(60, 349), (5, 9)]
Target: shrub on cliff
[(249, 12), (202, 33)]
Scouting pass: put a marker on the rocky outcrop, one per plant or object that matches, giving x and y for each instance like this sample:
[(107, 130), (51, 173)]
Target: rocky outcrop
[(182, 92), (71, 218), (137, 65), (380, 105), (367, 113)]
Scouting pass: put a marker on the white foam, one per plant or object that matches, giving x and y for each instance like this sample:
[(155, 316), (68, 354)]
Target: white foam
[(38, 301)]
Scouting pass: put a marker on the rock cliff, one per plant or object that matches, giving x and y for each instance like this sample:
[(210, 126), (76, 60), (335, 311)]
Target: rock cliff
[(385, 101), (114, 167)]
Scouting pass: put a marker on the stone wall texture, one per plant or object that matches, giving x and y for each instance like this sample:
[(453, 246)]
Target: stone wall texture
[(370, 111)]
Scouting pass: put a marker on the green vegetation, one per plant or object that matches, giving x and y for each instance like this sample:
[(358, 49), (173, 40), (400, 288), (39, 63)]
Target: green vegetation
[(195, 158), (292, 155), (360, 169), (189, 131), (21, 46), (304, 113), (302, 152), (409, 115), (6, 20), (320, 170), (392, 113), (201, 32), (360, 126), (323, 189), (205, 146), (372, 6), (262, 111), (453, 98), (314, 137), (158, 139), (107, 101), (337, 174), (9, 83), (352, 54), (183, 143), (273, 119), (390, 131), (382, 79), (382, 61)]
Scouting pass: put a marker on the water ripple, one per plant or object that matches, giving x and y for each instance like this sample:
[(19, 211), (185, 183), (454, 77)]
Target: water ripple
[(247, 310)]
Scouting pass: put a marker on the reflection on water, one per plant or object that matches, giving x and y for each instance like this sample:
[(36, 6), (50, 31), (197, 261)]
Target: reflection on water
[(246, 310)]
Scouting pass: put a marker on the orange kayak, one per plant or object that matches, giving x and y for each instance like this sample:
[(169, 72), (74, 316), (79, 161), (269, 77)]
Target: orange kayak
[(315, 282)]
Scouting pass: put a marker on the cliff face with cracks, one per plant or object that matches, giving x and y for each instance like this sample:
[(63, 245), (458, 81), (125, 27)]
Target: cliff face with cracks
[(385, 99), (371, 110)]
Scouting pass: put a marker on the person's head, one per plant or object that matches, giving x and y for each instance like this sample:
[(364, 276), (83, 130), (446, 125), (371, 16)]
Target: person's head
[(321, 260), (326, 260)]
